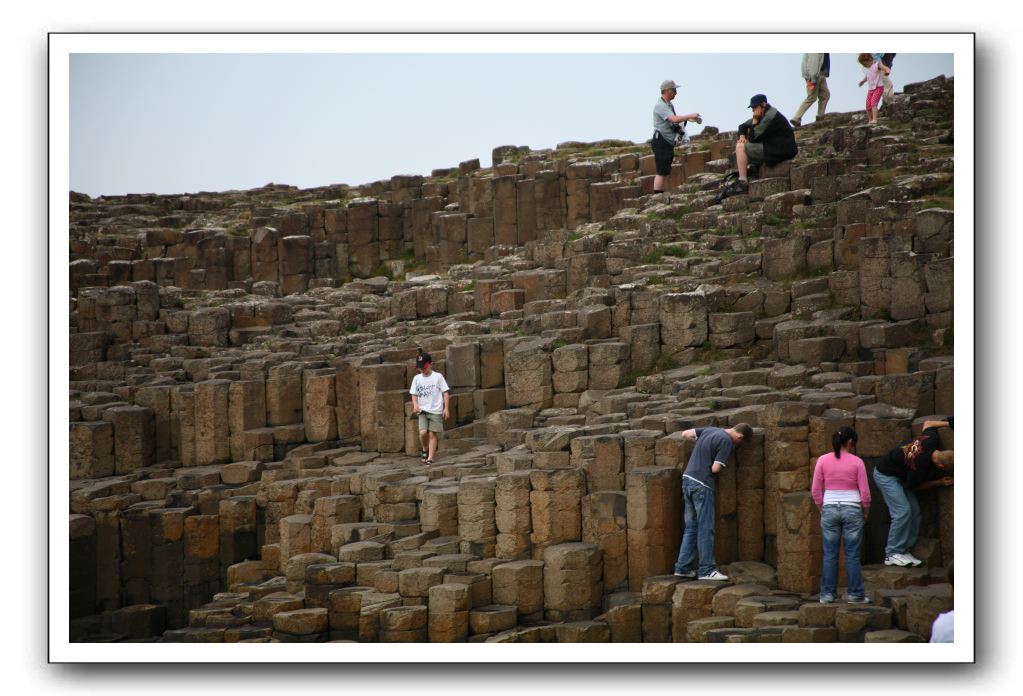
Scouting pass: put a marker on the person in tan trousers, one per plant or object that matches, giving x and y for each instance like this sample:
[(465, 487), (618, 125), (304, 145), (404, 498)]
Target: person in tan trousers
[(816, 67)]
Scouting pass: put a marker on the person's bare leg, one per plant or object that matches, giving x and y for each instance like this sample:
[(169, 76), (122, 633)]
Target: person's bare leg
[(433, 446), (741, 160), (658, 183), (424, 439)]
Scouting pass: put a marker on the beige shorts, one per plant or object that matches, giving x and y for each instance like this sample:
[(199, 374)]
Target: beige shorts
[(434, 422)]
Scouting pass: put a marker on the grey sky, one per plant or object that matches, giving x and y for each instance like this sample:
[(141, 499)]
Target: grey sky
[(177, 123)]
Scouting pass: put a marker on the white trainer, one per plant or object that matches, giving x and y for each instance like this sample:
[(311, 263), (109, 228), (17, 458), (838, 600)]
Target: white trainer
[(911, 559), (713, 575), (896, 559)]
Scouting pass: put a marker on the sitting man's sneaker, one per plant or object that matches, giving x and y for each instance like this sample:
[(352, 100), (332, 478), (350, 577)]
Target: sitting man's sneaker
[(895, 559), (911, 559), (857, 600), (738, 187), (713, 575), (827, 599), (687, 574), (795, 122)]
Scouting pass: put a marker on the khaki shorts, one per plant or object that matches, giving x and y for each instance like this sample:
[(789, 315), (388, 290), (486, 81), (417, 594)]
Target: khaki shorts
[(434, 422), (755, 152)]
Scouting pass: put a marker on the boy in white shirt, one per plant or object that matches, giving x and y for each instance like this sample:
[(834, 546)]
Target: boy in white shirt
[(430, 401)]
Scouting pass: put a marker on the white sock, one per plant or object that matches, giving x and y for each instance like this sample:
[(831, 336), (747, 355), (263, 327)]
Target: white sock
[(742, 179)]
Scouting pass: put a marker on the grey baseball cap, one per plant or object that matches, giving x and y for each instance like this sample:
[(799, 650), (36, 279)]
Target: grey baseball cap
[(669, 84)]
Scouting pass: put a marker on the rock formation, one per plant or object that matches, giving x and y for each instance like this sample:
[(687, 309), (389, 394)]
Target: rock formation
[(243, 465)]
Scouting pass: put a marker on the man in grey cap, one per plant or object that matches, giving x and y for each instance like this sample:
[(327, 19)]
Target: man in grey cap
[(667, 132)]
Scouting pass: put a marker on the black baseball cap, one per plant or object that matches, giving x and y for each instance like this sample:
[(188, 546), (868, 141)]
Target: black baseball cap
[(422, 359), (757, 100)]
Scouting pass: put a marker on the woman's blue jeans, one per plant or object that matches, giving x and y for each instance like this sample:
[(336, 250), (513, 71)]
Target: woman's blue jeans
[(842, 524)]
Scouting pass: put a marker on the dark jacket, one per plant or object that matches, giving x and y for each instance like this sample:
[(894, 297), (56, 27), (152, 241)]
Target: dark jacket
[(776, 135)]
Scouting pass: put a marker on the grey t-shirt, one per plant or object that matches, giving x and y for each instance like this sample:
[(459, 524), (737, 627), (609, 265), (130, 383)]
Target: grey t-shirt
[(712, 445), (662, 110)]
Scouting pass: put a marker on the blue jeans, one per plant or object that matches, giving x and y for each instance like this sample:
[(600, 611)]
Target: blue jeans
[(905, 512), (842, 524), (699, 533)]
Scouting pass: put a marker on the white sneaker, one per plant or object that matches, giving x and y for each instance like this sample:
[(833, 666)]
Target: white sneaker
[(911, 559), (896, 559), (713, 575)]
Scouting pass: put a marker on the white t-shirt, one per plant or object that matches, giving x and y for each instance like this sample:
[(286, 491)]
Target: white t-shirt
[(941, 629), (430, 391)]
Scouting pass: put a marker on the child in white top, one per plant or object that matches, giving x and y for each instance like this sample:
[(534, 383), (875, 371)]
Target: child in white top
[(873, 70), (430, 400)]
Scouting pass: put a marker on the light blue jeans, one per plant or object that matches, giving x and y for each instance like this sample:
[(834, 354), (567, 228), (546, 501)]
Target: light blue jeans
[(905, 512), (699, 533), (842, 524)]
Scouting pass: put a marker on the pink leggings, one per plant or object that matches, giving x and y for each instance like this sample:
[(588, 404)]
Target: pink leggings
[(874, 97)]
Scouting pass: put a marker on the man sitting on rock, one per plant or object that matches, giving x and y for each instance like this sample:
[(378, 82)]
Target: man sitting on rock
[(766, 138), (713, 445)]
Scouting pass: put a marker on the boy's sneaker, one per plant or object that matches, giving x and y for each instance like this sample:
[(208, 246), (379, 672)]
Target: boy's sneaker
[(911, 559), (713, 575), (738, 187), (857, 600), (689, 575), (827, 599), (896, 559)]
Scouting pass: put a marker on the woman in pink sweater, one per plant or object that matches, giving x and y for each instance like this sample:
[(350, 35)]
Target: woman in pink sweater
[(841, 492)]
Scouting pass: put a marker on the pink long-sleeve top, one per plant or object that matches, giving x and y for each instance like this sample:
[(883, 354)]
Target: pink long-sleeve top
[(873, 75), (845, 473)]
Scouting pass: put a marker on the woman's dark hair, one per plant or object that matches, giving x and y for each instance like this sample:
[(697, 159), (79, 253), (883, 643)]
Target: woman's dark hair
[(842, 436)]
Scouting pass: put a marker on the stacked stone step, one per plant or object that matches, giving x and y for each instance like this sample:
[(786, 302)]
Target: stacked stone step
[(513, 515), (477, 526), (654, 519), (572, 582), (570, 375), (788, 472), (555, 508)]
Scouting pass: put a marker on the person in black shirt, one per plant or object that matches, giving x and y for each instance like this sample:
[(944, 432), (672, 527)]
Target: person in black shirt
[(766, 138), (914, 466)]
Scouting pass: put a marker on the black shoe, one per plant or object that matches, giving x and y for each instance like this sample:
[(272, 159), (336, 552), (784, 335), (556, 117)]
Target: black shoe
[(738, 187)]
